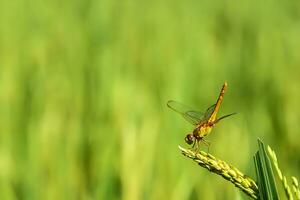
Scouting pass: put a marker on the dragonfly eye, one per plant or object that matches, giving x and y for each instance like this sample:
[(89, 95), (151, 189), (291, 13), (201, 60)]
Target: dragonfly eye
[(189, 138)]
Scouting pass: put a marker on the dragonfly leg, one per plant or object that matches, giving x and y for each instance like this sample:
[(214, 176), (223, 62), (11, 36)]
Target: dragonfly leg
[(193, 144), (207, 143), (196, 149)]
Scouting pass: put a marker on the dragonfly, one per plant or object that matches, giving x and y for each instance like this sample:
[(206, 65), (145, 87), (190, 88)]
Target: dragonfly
[(203, 122)]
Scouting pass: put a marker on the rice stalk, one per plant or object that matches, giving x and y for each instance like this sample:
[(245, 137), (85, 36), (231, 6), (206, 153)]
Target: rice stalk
[(227, 171), (282, 178)]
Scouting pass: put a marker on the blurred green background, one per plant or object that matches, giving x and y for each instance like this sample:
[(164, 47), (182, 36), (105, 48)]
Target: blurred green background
[(84, 86)]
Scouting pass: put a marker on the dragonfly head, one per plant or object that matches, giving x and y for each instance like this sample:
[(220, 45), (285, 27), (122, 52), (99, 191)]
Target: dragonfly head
[(189, 138)]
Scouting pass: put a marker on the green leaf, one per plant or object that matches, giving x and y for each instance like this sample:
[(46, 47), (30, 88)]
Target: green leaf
[(265, 178)]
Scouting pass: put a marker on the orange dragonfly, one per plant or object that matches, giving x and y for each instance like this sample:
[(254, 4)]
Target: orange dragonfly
[(204, 122)]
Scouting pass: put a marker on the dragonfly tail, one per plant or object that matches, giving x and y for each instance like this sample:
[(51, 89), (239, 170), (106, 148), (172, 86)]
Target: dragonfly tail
[(218, 103)]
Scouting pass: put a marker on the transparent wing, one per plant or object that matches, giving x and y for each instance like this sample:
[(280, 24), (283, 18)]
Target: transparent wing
[(194, 117), (195, 114), (209, 112)]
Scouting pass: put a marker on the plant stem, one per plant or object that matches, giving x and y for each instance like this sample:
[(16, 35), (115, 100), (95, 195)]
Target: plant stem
[(227, 171), (282, 178)]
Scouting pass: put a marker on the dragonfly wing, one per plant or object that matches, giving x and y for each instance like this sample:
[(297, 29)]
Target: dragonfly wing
[(209, 112), (191, 116), (224, 117), (196, 115), (190, 119)]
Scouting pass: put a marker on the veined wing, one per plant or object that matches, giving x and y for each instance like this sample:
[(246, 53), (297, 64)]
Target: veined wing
[(209, 112), (194, 117)]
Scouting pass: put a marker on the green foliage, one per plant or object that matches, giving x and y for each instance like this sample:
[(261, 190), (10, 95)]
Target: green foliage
[(264, 173), (84, 83), (283, 179)]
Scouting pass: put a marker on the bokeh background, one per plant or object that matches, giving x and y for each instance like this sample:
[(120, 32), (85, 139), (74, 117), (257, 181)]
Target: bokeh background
[(84, 86)]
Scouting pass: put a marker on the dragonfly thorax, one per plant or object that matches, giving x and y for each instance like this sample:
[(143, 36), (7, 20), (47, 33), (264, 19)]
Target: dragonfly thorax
[(202, 130)]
